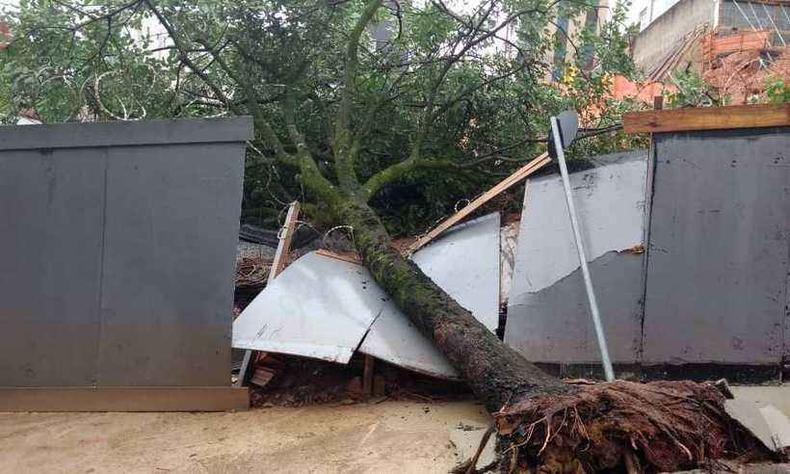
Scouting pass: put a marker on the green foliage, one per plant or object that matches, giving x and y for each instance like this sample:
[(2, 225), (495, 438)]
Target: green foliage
[(693, 91), (432, 105), (777, 92)]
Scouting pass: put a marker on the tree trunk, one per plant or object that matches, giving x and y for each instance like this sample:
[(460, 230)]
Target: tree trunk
[(543, 424), (496, 373)]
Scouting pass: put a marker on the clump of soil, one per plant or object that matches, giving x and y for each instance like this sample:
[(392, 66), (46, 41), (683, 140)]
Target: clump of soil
[(657, 426), (300, 381)]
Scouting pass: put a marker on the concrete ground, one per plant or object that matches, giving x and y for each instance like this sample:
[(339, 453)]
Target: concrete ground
[(761, 395), (390, 437)]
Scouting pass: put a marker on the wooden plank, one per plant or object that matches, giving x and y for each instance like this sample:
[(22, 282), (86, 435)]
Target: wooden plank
[(284, 246), (278, 265), (367, 377), (349, 257), (708, 118), (539, 162), (130, 399)]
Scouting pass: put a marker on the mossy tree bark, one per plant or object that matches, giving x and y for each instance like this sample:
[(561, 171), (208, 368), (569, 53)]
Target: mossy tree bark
[(496, 373)]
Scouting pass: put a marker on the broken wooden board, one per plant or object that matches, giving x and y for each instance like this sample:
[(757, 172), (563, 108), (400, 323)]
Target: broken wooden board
[(280, 261), (708, 118), (519, 175)]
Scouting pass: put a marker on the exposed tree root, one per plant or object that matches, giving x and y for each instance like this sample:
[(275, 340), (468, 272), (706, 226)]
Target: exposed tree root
[(623, 426)]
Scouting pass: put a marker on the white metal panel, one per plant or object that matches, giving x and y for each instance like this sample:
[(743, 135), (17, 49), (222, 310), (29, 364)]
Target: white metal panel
[(548, 313), (465, 263), (394, 338), (318, 307), (611, 210)]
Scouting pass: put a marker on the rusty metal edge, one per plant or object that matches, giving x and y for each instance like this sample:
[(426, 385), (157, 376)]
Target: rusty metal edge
[(125, 399)]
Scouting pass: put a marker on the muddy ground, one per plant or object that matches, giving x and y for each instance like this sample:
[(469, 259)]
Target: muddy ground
[(389, 437)]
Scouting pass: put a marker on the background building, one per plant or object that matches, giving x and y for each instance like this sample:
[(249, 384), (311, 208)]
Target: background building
[(737, 46)]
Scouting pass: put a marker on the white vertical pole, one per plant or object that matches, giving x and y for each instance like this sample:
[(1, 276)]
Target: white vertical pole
[(558, 146)]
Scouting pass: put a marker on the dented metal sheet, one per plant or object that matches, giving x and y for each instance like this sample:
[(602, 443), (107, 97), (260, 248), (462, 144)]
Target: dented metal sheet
[(465, 263), (611, 210), (318, 307), (394, 338), (322, 307), (548, 314)]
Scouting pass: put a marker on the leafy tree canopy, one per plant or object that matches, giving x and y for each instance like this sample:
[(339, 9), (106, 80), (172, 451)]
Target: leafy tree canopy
[(407, 105)]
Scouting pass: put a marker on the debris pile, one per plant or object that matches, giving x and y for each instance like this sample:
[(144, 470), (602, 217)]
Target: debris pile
[(300, 381), (326, 319), (741, 65), (348, 312)]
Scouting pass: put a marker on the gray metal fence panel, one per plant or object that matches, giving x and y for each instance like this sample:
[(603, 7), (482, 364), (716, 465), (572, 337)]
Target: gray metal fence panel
[(718, 254), (51, 212), (170, 225), (117, 249)]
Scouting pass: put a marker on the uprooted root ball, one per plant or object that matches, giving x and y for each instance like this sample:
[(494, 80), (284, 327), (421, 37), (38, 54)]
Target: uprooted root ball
[(624, 426)]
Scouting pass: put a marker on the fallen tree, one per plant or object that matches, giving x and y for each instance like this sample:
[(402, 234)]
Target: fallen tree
[(322, 100)]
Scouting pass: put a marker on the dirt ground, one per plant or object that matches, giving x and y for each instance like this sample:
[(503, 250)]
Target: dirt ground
[(390, 437)]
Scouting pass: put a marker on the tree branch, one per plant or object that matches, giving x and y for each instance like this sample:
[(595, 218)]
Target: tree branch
[(346, 147), (392, 173), (261, 123), (183, 55)]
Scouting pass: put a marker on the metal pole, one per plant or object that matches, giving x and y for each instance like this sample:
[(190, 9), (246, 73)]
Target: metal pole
[(776, 28), (558, 146), (744, 15)]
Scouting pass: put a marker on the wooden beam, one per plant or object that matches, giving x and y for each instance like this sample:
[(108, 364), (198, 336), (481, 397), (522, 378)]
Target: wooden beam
[(350, 257), (123, 399), (707, 118), (284, 246), (278, 265), (367, 377), (539, 162)]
